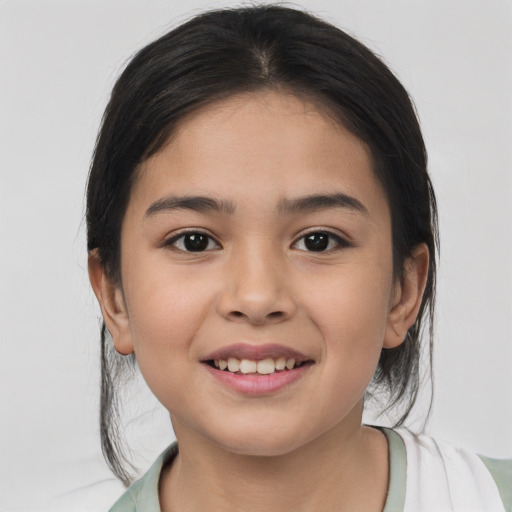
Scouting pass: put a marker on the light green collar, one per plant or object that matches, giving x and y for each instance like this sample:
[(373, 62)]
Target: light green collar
[(143, 496)]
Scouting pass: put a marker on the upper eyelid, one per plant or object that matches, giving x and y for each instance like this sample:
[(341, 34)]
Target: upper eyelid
[(188, 231), (340, 237)]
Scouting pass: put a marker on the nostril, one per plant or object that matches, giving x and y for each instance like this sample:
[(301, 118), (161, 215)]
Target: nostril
[(272, 316)]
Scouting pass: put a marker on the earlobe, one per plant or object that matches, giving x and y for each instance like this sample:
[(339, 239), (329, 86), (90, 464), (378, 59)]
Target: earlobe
[(112, 305), (407, 297)]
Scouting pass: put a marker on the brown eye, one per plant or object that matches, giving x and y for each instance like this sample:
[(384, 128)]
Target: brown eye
[(320, 241), (316, 242), (193, 241)]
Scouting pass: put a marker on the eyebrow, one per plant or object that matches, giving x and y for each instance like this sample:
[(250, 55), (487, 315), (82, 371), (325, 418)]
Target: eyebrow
[(199, 204), (317, 202), (310, 203)]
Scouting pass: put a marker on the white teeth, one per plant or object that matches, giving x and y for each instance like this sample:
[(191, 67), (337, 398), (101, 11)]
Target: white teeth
[(290, 363), (280, 363), (266, 366), (248, 366), (263, 367), (233, 364)]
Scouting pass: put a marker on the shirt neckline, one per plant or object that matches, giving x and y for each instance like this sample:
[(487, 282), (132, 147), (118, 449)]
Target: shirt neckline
[(397, 457), (395, 498)]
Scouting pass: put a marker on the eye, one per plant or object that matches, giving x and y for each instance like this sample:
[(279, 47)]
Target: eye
[(193, 241), (320, 241)]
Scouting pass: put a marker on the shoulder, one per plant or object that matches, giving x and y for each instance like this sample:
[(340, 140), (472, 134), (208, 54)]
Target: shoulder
[(501, 471), (456, 475), (142, 496), (128, 501)]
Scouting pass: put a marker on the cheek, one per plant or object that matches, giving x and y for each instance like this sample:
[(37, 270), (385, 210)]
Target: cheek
[(165, 312), (353, 326), (353, 302), (351, 311)]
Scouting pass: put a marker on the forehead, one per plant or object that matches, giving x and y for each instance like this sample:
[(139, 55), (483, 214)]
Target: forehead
[(260, 148)]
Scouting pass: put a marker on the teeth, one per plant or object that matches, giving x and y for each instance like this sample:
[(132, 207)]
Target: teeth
[(266, 366), (248, 366), (280, 363), (233, 364), (263, 367)]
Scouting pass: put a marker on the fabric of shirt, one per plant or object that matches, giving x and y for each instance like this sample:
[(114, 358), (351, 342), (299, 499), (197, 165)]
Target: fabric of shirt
[(420, 468), (458, 480)]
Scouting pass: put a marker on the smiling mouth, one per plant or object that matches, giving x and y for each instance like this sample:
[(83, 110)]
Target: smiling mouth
[(265, 366)]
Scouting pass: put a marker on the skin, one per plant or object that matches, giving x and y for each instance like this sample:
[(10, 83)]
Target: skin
[(257, 282)]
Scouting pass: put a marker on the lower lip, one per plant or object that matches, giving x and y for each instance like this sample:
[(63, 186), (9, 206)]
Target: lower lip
[(254, 384)]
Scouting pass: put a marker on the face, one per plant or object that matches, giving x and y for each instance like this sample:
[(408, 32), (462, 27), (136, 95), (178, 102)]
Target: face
[(260, 238)]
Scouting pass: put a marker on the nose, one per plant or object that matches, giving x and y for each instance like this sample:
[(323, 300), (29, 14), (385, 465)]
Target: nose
[(255, 289)]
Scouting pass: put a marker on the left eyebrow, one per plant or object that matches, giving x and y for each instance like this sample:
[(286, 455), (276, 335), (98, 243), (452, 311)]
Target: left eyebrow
[(199, 204), (317, 202)]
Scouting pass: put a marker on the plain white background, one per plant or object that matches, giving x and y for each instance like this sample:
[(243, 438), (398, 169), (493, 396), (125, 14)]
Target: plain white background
[(58, 61)]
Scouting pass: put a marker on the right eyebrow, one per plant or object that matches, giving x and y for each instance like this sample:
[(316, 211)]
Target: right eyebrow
[(199, 204)]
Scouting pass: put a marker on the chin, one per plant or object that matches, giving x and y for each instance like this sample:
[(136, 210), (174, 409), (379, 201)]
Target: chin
[(264, 441), (262, 448)]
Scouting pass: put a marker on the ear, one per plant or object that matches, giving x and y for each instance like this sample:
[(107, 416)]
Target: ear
[(407, 297), (113, 307)]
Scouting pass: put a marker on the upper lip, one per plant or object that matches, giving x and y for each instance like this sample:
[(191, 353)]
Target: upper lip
[(256, 352)]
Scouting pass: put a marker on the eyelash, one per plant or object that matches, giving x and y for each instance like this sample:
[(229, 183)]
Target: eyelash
[(172, 242), (340, 242)]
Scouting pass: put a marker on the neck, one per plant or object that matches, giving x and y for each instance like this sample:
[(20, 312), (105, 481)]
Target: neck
[(345, 469)]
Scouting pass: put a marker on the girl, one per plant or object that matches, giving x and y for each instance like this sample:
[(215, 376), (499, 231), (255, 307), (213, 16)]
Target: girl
[(262, 238)]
